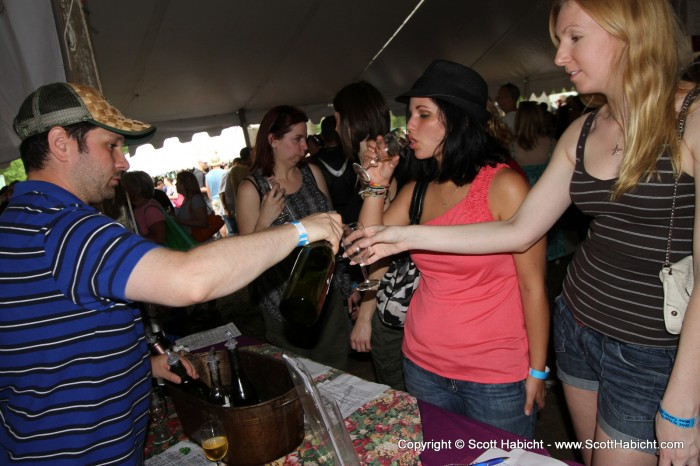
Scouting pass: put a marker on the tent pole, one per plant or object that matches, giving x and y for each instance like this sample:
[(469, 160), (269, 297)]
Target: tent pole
[(76, 46), (243, 123)]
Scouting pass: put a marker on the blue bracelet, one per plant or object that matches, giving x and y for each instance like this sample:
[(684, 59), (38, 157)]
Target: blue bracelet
[(303, 235), (683, 422), (539, 374)]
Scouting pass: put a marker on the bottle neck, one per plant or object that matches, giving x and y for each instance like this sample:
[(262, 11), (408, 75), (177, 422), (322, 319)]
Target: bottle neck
[(157, 347), (176, 365), (233, 359), (215, 375)]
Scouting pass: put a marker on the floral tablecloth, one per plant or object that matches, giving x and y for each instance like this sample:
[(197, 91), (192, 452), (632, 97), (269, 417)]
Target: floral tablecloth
[(383, 432)]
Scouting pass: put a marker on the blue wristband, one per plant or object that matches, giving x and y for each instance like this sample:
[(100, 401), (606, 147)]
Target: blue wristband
[(683, 422), (303, 235), (539, 374)]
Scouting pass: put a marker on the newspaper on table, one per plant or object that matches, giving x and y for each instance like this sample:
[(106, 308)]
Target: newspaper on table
[(185, 453), (206, 338)]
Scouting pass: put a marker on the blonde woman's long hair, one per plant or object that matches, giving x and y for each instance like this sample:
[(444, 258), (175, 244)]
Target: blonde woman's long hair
[(649, 66)]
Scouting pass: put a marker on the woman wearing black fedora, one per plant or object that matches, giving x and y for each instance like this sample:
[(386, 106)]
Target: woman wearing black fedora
[(476, 325)]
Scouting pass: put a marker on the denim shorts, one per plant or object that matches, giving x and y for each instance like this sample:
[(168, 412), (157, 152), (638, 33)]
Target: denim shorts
[(630, 379), (501, 404)]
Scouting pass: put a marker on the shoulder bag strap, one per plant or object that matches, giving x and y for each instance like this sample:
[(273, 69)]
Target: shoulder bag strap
[(687, 102), (416, 209)]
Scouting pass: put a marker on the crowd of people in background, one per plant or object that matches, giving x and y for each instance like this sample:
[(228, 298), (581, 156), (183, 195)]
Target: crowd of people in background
[(218, 179)]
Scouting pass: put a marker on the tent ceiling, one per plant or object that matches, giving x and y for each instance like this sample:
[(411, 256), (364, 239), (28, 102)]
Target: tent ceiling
[(190, 66)]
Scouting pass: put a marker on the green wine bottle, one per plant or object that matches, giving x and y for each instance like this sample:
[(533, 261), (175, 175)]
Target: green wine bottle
[(306, 290)]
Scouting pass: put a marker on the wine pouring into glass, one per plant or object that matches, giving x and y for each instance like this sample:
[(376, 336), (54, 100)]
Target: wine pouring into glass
[(353, 232), (394, 142)]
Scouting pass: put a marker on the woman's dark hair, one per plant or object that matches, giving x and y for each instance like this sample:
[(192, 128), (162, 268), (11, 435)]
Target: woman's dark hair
[(363, 114), (466, 148), (187, 184), (277, 122), (140, 182), (530, 124), (35, 149)]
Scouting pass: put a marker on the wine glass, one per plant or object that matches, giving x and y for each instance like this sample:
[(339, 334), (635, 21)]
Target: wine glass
[(212, 437), (158, 413), (394, 143), (353, 232)]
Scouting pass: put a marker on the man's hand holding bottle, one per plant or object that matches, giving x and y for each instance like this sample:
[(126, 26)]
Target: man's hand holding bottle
[(324, 226), (161, 369)]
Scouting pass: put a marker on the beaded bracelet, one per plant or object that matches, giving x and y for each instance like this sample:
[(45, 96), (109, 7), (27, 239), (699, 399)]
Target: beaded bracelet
[(303, 235), (365, 194), (682, 422), (540, 374), (371, 191)]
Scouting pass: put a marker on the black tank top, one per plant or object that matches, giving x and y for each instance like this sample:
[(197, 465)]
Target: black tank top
[(612, 284)]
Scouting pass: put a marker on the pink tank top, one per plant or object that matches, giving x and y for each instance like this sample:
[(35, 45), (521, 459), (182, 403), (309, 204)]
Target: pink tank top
[(465, 320)]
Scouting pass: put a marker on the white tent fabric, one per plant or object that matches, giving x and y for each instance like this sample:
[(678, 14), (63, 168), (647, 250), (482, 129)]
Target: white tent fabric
[(174, 155), (191, 66), (30, 56)]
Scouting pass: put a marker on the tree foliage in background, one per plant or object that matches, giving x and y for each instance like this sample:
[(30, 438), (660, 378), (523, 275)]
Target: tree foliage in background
[(15, 172)]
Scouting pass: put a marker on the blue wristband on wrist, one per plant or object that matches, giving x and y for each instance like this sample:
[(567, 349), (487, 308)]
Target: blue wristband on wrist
[(540, 374), (303, 235), (683, 422)]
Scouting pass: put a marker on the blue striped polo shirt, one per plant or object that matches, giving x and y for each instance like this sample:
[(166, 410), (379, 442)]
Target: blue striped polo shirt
[(74, 367)]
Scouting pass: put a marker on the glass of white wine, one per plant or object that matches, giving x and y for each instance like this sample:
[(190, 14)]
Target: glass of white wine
[(212, 437), (353, 232)]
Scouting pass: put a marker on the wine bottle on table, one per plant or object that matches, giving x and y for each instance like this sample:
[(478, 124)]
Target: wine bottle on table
[(194, 387), (217, 394), (306, 290), (242, 392)]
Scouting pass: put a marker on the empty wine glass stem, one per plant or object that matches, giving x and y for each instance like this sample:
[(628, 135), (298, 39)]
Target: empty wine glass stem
[(364, 272)]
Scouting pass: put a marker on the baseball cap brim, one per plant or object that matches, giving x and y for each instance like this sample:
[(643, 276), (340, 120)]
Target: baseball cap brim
[(62, 104)]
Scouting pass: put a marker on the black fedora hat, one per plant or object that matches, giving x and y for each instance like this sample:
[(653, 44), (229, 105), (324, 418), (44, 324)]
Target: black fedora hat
[(454, 83)]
